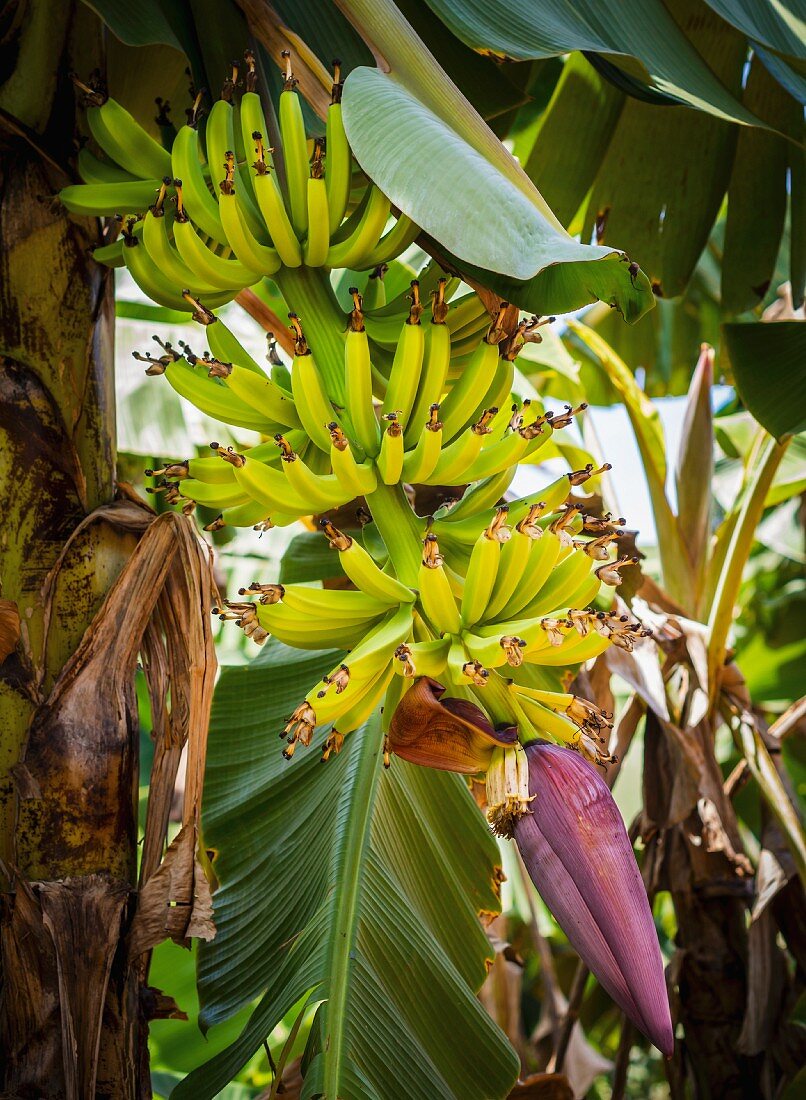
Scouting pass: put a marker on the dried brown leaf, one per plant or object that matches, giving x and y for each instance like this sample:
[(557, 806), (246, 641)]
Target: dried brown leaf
[(543, 1086), (176, 901)]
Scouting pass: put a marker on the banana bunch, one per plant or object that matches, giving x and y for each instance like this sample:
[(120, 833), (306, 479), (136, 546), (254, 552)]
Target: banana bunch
[(333, 440), (522, 599), (210, 217)]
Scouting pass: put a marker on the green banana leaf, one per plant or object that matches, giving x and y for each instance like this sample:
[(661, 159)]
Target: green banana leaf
[(780, 26), (642, 29), (767, 361), (357, 886)]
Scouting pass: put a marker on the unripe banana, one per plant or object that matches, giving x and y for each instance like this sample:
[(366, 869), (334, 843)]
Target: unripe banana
[(272, 208), (295, 149), (338, 165), (186, 166), (483, 568), (457, 457), (436, 597), (514, 558), (419, 464), (107, 199), (320, 491), (362, 234), (94, 169), (257, 257), (390, 457), (357, 479), (362, 570), (255, 390), (318, 239), (313, 405), (358, 381), (124, 140), (436, 359), (458, 407), (404, 376)]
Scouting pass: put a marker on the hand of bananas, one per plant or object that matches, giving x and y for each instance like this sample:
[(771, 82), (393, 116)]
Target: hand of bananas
[(230, 223), (416, 391)]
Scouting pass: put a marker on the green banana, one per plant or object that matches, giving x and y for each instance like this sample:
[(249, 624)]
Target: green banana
[(102, 200), (295, 149), (358, 381), (435, 363), (186, 168), (349, 252), (362, 570), (123, 139), (338, 164), (404, 376)]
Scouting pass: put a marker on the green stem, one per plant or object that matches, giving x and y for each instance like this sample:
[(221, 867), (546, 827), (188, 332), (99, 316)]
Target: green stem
[(497, 700), (307, 292), (401, 530), (741, 543)]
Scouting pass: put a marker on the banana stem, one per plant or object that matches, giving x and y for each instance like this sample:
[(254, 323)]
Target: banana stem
[(400, 528), (503, 707), (307, 292)]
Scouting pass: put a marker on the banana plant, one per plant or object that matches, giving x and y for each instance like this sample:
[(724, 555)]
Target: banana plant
[(688, 682)]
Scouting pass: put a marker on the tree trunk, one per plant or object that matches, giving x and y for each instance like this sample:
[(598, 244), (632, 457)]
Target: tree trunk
[(69, 1023)]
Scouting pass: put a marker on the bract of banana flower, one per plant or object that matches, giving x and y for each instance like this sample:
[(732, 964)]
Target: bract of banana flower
[(450, 734), (578, 855)]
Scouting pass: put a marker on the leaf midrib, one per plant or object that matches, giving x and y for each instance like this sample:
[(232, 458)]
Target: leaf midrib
[(361, 795)]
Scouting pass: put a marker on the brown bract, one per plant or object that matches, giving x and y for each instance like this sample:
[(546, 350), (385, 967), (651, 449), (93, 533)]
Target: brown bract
[(449, 734)]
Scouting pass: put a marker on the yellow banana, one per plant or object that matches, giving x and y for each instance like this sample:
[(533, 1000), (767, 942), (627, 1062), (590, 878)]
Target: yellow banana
[(318, 239), (358, 479), (483, 568), (365, 234), (436, 597), (436, 359), (420, 463), (404, 376), (390, 457), (362, 570)]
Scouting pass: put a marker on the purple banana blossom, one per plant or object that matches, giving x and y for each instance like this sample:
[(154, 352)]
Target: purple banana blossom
[(580, 858)]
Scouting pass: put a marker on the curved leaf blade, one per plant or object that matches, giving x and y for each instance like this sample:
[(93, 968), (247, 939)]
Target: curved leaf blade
[(498, 228), (383, 119), (644, 29), (358, 886)]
